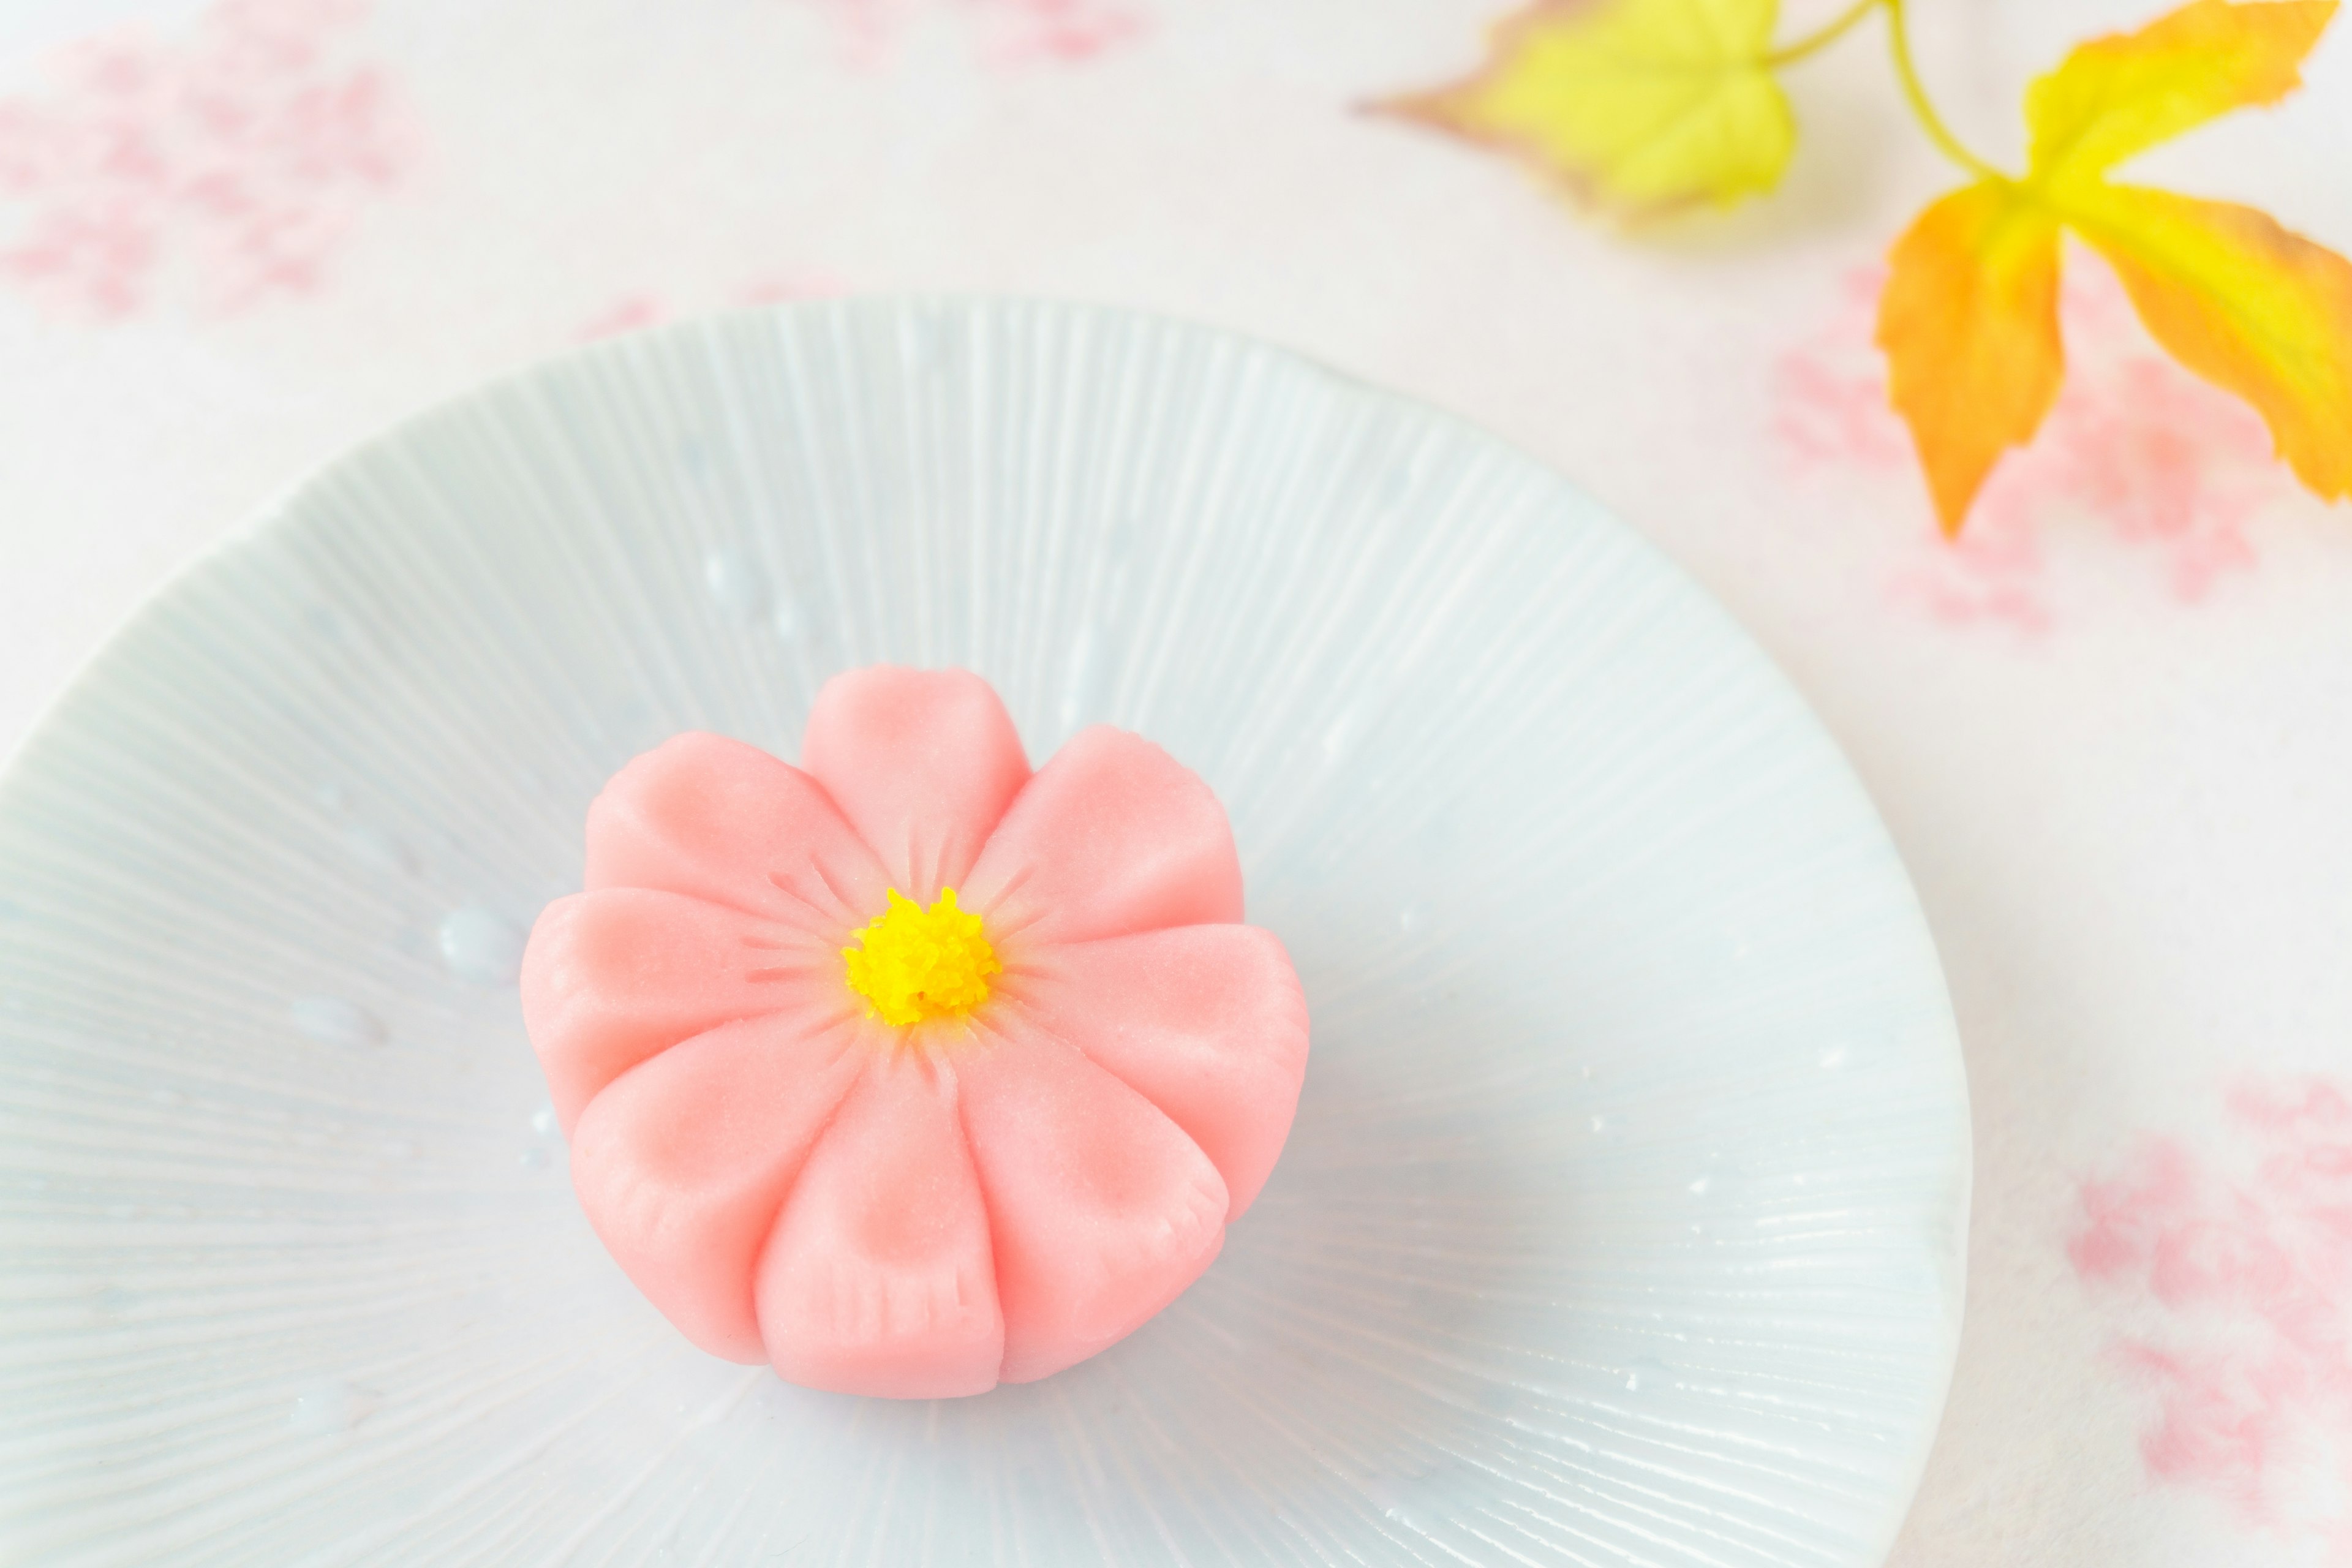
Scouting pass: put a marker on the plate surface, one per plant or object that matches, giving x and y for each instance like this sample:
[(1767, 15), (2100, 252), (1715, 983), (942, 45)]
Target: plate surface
[(1623, 1220)]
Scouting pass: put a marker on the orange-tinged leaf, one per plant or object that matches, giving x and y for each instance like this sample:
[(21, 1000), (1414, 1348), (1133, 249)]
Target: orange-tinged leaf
[(1968, 321), (1639, 107), (2245, 304), (2126, 92)]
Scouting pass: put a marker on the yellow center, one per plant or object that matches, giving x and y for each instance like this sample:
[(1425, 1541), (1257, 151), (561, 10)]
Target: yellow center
[(918, 963)]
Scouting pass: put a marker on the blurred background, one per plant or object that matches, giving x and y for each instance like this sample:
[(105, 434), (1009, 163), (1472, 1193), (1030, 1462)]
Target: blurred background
[(2109, 727)]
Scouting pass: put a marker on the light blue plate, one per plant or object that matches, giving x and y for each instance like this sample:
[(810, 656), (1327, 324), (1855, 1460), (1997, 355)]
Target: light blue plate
[(1622, 1221)]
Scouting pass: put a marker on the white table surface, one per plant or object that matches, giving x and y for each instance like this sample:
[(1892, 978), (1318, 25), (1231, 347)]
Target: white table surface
[(2112, 731)]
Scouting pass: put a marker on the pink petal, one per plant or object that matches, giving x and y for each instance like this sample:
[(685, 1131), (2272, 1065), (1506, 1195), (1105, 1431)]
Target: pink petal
[(921, 762), (720, 820), (1101, 1210), (878, 1279), (1112, 835), (611, 977), (1207, 1023), (683, 1163)]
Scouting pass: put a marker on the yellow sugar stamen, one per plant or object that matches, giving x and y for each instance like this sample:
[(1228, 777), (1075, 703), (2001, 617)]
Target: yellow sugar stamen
[(918, 963)]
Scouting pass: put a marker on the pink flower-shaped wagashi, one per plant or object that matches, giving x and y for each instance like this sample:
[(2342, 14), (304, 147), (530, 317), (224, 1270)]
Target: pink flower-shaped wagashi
[(913, 1072)]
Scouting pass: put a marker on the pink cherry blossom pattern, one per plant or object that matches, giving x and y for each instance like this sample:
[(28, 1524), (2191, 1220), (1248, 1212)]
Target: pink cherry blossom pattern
[(924, 1210), (2139, 465), (2227, 1269), (1011, 33), (219, 168), (641, 308)]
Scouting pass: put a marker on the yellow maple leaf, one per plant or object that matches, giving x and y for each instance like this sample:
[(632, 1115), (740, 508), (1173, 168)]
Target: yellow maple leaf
[(2229, 293), (1970, 321), (2245, 304), (2123, 93), (1638, 107)]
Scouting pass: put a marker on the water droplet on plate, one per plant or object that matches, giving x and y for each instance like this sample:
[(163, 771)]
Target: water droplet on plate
[(378, 850), (542, 1121), (1832, 1058), (481, 948), (1720, 1186), (533, 1159), (1388, 1499), (736, 585), (1647, 1372), (790, 622), (330, 1408), (332, 1021), (1607, 1126)]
